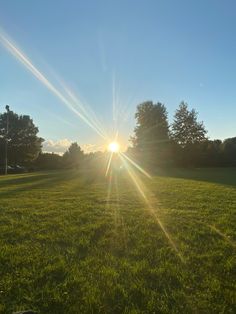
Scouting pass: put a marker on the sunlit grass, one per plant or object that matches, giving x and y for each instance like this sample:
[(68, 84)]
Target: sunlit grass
[(66, 247)]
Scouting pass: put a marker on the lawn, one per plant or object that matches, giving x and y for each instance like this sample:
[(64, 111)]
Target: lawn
[(70, 244)]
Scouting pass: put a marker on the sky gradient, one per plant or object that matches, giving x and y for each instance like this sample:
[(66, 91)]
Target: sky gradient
[(165, 51)]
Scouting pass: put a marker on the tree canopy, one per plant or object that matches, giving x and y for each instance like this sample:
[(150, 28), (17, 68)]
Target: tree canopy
[(229, 149), (73, 157), (151, 134), (24, 144), (186, 130)]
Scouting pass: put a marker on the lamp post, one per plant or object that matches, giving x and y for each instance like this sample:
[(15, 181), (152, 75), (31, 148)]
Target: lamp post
[(6, 137)]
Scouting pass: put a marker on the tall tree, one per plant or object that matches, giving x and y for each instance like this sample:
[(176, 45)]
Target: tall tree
[(73, 157), (185, 128), (187, 133), (23, 143), (151, 134)]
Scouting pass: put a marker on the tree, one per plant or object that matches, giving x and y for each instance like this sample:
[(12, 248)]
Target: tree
[(211, 153), (23, 143), (188, 134), (151, 135), (73, 157), (229, 151), (186, 130), (48, 161)]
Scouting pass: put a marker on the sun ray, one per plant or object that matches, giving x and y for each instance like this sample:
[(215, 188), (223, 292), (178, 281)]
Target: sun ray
[(73, 103), (109, 164), (136, 165), (114, 147), (117, 207), (220, 233), (109, 191), (115, 103), (88, 112), (134, 179), (20, 56), (141, 189), (124, 112), (114, 100)]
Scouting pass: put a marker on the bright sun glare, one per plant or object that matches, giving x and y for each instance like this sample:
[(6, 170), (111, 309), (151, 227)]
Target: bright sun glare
[(114, 147)]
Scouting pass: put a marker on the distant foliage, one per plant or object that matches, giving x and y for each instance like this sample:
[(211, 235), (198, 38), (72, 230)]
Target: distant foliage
[(155, 143), (73, 157), (24, 145), (48, 161), (229, 151), (184, 143)]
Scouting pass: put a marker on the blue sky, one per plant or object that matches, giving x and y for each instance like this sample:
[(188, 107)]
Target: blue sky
[(165, 51)]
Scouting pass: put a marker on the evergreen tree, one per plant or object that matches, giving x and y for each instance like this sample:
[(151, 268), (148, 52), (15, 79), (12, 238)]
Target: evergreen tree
[(188, 134), (186, 130)]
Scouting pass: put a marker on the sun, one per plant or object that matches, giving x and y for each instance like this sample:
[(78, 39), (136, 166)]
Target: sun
[(114, 147)]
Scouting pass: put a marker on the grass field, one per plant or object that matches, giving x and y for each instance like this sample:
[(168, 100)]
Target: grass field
[(66, 247)]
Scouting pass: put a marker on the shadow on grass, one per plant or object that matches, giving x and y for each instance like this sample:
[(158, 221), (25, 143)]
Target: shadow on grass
[(12, 186), (224, 176), (10, 180)]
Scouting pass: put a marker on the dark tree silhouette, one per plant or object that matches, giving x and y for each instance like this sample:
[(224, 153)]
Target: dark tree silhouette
[(23, 143), (73, 157), (48, 161), (229, 151), (151, 135), (211, 154)]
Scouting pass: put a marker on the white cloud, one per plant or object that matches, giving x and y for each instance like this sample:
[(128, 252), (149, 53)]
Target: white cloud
[(60, 146), (89, 148)]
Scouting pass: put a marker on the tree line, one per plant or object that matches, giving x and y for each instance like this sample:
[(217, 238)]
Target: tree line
[(183, 143), (20, 143), (155, 143)]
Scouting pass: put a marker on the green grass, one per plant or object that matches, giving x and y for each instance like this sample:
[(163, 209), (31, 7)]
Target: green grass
[(64, 249)]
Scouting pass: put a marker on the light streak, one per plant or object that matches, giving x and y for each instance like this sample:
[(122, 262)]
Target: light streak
[(136, 165), (109, 191), (227, 239), (86, 111), (140, 187), (109, 164), (20, 56)]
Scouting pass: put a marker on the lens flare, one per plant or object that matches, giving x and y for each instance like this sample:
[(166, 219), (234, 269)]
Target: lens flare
[(109, 164), (141, 188), (23, 58), (136, 165), (114, 147), (67, 97)]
